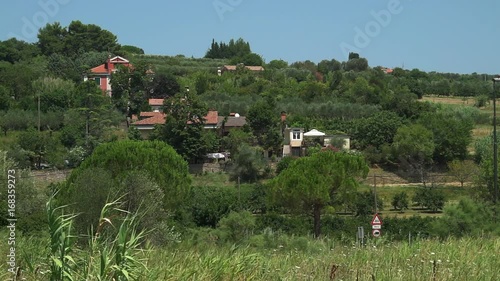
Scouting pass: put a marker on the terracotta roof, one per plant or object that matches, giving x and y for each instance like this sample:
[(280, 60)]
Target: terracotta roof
[(155, 102), (102, 69), (149, 113), (212, 117), (252, 68), (255, 68), (159, 118), (156, 118)]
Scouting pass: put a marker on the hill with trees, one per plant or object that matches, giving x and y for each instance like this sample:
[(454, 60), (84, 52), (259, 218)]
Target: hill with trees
[(51, 117)]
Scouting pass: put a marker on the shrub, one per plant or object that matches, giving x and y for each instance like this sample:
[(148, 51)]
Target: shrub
[(400, 201), (467, 218), (431, 198), (237, 226)]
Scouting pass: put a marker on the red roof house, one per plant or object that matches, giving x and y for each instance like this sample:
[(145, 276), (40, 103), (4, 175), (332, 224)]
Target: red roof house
[(102, 74), (146, 121)]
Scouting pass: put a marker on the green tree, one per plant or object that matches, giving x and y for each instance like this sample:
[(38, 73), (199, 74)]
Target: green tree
[(13, 50), (156, 160), (376, 130), (51, 39), (311, 90), (467, 218), (132, 49), (413, 146), (463, 171), (356, 64), (284, 163), (93, 116), (277, 64), (132, 87), (234, 139), (263, 118), (452, 135), (429, 197), (248, 164), (184, 125), (30, 200), (77, 38), (55, 94), (252, 59), (237, 226), (400, 201), (363, 204), (313, 182), (326, 66), (36, 144), (164, 86)]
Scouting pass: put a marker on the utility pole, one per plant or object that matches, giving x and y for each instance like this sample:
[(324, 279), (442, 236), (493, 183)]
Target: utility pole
[(38, 111), (375, 192), (495, 145)]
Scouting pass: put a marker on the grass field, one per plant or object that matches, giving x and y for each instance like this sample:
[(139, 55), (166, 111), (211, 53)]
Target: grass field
[(299, 258)]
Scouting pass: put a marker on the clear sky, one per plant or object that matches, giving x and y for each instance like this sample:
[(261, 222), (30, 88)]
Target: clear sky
[(460, 36)]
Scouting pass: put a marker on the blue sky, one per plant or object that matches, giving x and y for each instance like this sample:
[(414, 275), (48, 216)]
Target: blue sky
[(460, 36)]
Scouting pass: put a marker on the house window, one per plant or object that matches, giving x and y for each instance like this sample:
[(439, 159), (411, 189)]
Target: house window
[(296, 135), (97, 80)]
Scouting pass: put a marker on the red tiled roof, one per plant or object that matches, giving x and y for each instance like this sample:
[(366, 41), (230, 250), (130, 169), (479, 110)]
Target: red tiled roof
[(252, 68), (159, 118), (149, 113), (255, 68), (211, 117), (155, 102), (110, 65), (156, 118), (100, 69)]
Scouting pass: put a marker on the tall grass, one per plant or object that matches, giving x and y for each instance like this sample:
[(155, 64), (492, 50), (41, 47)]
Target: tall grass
[(286, 258), (114, 251), (465, 259)]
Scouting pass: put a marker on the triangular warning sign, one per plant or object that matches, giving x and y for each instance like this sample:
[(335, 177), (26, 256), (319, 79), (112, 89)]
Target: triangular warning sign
[(376, 220)]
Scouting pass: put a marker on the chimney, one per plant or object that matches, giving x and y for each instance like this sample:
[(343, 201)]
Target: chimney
[(108, 62), (283, 116)]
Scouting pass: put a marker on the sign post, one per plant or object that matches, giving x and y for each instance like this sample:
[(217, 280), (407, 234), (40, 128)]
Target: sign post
[(376, 226)]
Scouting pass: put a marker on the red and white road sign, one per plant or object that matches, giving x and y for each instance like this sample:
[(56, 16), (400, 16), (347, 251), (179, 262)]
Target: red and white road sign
[(376, 220), (376, 232)]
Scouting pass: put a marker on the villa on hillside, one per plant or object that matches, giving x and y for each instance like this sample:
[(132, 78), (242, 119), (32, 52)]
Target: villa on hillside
[(102, 74), (296, 141)]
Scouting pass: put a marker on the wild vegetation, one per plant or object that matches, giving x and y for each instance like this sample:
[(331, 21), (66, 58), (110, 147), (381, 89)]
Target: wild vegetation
[(129, 209)]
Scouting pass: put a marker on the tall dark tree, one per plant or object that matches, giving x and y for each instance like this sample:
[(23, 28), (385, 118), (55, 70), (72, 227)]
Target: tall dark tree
[(263, 118), (183, 128), (13, 50), (76, 39), (164, 86)]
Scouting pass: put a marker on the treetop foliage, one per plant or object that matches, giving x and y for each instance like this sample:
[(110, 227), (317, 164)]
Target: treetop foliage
[(237, 51), (156, 159), (75, 39)]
